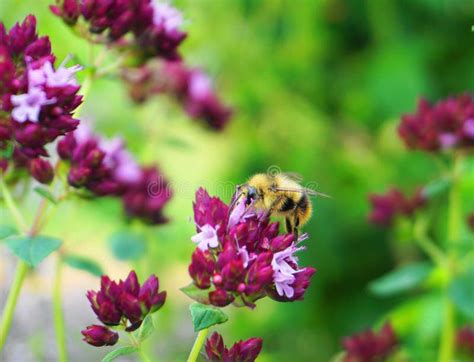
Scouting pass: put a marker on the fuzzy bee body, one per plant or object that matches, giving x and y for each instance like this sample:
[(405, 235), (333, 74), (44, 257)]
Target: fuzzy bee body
[(280, 195)]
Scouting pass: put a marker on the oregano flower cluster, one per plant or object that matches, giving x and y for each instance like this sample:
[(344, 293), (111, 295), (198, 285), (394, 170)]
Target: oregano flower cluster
[(106, 168), (370, 346), (386, 207), (37, 99), (125, 303), (147, 34), (241, 257), (247, 350), (446, 124)]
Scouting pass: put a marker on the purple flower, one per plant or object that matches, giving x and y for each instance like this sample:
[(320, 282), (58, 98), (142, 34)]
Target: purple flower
[(190, 87), (206, 238), (147, 198), (126, 302), (41, 170), (27, 106), (242, 256), (369, 346), (469, 128), (465, 340), (37, 101), (99, 336), (245, 351), (445, 124), (385, 207), (166, 16)]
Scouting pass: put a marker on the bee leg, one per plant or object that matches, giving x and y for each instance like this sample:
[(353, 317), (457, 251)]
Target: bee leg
[(289, 226), (296, 224)]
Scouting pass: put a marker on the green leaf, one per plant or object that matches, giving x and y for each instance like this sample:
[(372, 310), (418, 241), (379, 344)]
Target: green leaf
[(122, 351), (146, 329), (436, 187), (84, 263), (205, 316), (199, 295), (126, 245), (46, 194), (461, 292), (6, 231), (33, 249), (8, 151), (400, 280)]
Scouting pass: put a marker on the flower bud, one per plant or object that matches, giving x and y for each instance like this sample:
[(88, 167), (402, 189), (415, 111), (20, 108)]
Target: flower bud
[(220, 298), (99, 336), (246, 350), (201, 268), (41, 170)]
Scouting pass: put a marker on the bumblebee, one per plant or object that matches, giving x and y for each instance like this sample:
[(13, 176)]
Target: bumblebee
[(281, 195)]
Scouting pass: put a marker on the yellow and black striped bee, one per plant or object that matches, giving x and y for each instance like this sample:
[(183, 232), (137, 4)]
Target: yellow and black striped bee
[(280, 195)]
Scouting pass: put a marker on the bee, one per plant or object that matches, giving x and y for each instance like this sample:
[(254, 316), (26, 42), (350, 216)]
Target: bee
[(281, 195)]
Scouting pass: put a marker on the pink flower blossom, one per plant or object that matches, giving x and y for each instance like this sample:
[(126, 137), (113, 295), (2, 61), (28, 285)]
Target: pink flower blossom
[(206, 238), (27, 107)]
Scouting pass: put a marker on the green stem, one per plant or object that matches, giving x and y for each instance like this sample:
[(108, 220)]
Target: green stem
[(446, 348), (200, 339), (427, 245), (8, 311), (59, 325), (11, 205), (140, 351)]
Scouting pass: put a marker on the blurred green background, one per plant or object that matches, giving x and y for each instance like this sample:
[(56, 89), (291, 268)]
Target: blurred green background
[(318, 87)]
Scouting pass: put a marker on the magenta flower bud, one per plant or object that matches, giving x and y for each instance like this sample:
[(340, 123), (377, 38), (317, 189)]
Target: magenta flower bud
[(99, 336), (41, 170), (78, 176), (215, 348), (149, 297), (443, 125), (126, 302), (246, 350), (68, 10), (302, 281), (241, 288), (220, 298), (130, 306), (241, 351), (217, 279), (370, 346), (387, 206), (465, 340), (282, 242), (66, 147), (233, 274), (202, 268), (210, 211)]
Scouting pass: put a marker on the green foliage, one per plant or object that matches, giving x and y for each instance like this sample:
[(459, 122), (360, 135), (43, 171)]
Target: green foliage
[(33, 249), (44, 192), (146, 329), (6, 231), (461, 292), (126, 245), (400, 280), (119, 352), (193, 292), (205, 316), (83, 263)]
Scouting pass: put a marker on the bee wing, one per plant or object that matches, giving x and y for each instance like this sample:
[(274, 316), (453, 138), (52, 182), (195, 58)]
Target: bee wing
[(309, 192), (294, 176)]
